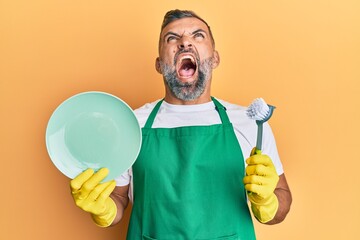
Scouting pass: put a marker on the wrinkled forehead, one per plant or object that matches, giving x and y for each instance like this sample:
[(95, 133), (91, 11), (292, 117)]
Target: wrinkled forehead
[(185, 26)]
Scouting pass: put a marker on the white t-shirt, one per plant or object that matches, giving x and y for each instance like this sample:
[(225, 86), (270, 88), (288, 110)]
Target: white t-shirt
[(171, 116)]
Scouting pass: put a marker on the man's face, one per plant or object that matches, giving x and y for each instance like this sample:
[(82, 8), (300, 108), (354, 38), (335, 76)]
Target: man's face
[(186, 57)]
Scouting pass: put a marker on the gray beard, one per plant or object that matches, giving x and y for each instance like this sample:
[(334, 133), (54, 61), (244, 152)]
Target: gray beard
[(187, 91)]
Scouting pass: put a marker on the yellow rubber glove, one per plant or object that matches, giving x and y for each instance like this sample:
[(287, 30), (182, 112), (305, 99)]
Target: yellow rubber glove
[(94, 197), (260, 182)]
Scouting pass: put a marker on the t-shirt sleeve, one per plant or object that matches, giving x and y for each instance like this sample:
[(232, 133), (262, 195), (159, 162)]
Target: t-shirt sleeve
[(246, 133), (269, 148), (123, 179)]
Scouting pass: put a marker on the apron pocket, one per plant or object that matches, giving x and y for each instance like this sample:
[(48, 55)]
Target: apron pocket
[(228, 237), (148, 238)]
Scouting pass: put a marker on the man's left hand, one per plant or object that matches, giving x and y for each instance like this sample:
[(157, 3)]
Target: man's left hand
[(260, 181)]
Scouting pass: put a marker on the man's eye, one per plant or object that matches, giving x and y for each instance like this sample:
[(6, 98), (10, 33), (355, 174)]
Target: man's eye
[(171, 38), (199, 35)]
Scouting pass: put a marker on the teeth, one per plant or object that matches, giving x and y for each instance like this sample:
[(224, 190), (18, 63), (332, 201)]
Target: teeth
[(188, 57)]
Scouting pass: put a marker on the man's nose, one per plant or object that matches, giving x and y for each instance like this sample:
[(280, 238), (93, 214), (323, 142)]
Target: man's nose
[(185, 43)]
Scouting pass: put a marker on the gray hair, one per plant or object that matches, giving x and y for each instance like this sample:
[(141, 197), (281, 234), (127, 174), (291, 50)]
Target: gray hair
[(176, 14)]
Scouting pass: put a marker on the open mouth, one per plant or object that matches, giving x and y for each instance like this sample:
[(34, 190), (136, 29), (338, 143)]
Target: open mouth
[(187, 66)]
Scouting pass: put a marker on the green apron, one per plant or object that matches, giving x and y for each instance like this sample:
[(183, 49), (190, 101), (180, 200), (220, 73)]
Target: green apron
[(188, 184)]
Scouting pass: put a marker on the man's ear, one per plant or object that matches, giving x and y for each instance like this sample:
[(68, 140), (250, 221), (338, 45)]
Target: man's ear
[(157, 65), (216, 60)]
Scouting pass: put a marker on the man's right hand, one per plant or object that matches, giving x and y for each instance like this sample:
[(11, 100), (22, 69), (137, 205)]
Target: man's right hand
[(94, 197)]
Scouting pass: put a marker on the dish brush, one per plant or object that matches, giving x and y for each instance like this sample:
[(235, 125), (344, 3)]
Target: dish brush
[(261, 112)]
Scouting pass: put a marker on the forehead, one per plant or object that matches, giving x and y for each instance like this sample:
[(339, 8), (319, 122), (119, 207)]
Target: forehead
[(185, 25)]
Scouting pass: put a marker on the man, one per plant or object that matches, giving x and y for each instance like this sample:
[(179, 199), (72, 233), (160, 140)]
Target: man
[(190, 180)]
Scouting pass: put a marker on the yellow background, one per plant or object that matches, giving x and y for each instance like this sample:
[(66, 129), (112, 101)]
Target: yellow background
[(302, 56)]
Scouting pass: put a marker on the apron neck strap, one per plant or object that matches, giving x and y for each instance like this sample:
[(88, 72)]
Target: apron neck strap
[(153, 113), (218, 106), (221, 110)]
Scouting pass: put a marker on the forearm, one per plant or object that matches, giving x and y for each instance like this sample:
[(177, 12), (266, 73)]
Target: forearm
[(284, 197), (121, 202)]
